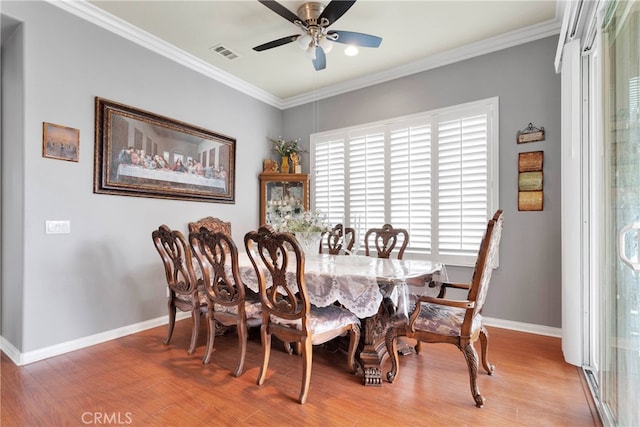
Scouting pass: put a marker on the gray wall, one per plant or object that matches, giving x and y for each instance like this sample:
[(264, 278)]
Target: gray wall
[(12, 158), (106, 274), (526, 287)]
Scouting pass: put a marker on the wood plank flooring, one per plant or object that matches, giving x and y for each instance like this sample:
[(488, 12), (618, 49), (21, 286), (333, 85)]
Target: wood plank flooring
[(136, 380)]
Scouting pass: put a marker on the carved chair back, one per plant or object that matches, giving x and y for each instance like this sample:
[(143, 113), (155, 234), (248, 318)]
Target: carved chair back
[(212, 224), (339, 240), (485, 263), (280, 254), (384, 240), (177, 260), (217, 256)]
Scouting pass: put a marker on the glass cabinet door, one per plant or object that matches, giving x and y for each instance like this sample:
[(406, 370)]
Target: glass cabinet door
[(282, 194)]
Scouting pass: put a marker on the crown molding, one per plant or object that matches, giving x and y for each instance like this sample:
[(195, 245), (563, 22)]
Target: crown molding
[(97, 16), (483, 47)]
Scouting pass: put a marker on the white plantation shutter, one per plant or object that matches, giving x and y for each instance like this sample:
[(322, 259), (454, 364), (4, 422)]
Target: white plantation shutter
[(462, 185), (367, 179), (329, 192), (433, 173), (410, 184)]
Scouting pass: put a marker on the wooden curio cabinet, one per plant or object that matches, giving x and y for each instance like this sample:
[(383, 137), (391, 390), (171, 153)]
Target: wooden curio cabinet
[(282, 193)]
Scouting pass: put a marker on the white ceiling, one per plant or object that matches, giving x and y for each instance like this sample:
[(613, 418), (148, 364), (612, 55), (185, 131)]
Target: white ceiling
[(416, 35)]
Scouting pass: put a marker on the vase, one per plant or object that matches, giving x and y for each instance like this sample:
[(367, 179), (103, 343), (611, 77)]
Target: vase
[(284, 166), (309, 241)]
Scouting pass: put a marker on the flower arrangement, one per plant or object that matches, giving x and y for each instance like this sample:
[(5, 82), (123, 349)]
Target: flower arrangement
[(304, 222), (307, 226), (286, 148)]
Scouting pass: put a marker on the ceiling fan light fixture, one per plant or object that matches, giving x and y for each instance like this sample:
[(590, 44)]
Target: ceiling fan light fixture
[(311, 52), (326, 44), (351, 50), (303, 41)]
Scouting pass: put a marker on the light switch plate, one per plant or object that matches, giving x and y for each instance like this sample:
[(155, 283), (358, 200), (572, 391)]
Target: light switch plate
[(57, 227)]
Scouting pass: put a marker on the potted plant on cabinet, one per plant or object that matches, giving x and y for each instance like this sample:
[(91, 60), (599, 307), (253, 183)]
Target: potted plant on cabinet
[(286, 150)]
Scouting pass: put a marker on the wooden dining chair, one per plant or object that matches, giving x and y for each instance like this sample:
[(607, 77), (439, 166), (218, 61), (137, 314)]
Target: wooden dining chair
[(384, 240), (228, 301), (185, 290), (212, 224), (339, 240), (457, 322), (286, 310)]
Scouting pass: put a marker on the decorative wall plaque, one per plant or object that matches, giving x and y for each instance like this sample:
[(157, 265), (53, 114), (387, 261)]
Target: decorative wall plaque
[(530, 181), (530, 134)]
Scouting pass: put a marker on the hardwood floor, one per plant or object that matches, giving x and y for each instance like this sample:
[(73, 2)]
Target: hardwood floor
[(136, 380)]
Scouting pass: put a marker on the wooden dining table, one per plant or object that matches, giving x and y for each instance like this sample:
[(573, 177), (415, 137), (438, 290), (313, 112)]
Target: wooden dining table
[(376, 290)]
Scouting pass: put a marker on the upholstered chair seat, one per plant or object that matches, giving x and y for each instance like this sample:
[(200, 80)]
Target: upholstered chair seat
[(444, 320), (322, 319), (252, 310), (202, 298)]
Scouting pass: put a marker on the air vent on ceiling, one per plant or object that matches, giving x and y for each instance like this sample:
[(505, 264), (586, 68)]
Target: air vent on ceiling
[(224, 51)]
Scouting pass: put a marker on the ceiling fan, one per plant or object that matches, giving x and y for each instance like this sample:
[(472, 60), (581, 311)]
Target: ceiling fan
[(317, 39)]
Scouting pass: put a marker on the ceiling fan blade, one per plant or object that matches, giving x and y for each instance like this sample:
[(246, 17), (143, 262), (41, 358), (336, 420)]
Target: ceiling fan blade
[(320, 63), (276, 43), (358, 39), (335, 9), (280, 10)]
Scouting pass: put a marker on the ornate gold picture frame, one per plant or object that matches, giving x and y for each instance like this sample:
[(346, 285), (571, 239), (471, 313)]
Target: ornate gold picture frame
[(138, 153)]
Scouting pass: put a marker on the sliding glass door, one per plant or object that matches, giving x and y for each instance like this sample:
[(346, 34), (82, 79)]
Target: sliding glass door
[(619, 366)]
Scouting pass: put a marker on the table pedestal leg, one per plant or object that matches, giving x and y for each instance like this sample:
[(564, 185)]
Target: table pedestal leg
[(373, 351)]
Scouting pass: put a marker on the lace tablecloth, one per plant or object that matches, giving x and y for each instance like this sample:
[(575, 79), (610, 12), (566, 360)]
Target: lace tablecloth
[(358, 283)]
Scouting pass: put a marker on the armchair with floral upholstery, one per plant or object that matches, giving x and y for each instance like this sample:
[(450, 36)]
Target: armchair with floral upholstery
[(458, 322)]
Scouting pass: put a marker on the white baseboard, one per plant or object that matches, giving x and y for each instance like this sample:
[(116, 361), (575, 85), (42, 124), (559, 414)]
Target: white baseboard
[(523, 327), (44, 353), (33, 356)]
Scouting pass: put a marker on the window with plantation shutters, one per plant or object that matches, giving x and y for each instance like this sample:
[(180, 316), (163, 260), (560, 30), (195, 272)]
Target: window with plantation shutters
[(434, 174)]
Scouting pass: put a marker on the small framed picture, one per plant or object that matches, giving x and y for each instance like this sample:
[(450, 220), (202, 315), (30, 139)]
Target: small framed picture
[(60, 142), (270, 166)]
